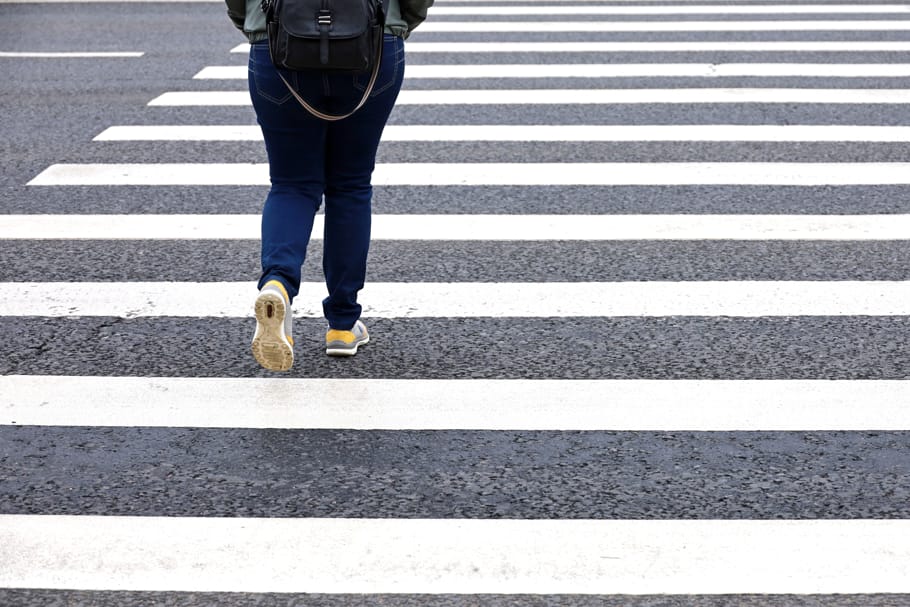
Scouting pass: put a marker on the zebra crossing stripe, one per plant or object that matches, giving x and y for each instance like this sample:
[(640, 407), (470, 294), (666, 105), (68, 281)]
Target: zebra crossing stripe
[(582, 96), (69, 55), (474, 227), (455, 556), (651, 47), (431, 27), (415, 404), (493, 174), (471, 300), (193, 132), (627, 70), (655, 96), (532, 132), (648, 2), (141, 1), (712, 9), (871, 46)]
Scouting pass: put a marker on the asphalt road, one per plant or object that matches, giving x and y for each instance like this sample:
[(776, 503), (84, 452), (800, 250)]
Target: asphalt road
[(50, 109)]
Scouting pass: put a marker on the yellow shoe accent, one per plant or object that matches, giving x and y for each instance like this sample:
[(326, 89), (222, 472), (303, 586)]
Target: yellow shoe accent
[(347, 337), (279, 286), (346, 343)]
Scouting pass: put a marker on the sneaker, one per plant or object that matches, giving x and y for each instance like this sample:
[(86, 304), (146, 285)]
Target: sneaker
[(273, 346), (345, 343)]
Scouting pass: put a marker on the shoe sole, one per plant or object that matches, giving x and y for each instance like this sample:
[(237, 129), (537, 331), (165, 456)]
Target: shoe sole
[(346, 350), (270, 347)]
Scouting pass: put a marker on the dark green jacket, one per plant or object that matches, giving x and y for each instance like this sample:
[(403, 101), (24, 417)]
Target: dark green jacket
[(404, 16)]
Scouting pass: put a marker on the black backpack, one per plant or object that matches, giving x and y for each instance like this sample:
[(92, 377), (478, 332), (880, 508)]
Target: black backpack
[(336, 35)]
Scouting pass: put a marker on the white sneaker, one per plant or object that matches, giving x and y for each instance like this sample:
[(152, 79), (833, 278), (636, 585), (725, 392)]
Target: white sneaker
[(345, 343), (273, 345)]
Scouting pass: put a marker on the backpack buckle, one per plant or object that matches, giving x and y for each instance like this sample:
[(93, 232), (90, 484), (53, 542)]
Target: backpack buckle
[(324, 17)]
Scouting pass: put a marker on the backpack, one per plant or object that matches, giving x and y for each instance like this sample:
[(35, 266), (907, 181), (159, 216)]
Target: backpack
[(333, 35)]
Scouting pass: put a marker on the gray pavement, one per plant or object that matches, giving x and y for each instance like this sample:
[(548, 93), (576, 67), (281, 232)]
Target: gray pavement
[(457, 261), (852, 347), (458, 474), (821, 200)]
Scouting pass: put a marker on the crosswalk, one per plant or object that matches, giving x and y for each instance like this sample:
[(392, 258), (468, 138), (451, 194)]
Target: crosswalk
[(641, 334)]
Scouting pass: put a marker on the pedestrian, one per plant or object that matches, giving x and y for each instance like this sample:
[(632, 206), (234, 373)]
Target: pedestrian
[(311, 159)]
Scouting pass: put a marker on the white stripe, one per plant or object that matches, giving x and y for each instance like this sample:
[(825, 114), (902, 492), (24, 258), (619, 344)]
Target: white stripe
[(68, 55), (580, 96), (713, 9), (616, 96), (194, 132), (644, 70), (568, 133), (469, 300), (184, 98), (455, 556), (627, 70), (389, 404), (644, 2), (659, 26), (649, 47), (475, 227), (672, 132), (154, 1), (526, 174), (224, 72), (646, 47)]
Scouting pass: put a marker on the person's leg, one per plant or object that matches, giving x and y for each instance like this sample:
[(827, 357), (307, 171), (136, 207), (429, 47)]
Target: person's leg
[(295, 143), (350, 158)]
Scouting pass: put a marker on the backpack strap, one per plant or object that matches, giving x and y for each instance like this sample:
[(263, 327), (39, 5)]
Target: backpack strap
[(369, 89), (324, 20), (334, 117)]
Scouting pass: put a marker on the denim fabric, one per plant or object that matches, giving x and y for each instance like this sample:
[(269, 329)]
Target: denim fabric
[(310, 159)]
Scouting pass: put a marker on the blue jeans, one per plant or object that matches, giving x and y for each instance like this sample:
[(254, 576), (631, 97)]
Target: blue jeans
[(310, 159)]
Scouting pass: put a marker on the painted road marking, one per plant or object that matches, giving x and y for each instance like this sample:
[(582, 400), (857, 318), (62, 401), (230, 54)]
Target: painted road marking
[(67, 55), (663, 26), (195, 132), (713, 9), (471, 300), (455, 556), (648, 47), (414, 404), (674, 2), (156, 1), (582, 96), (474, 227), (537, 132), (627, 70), (523, 174)]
